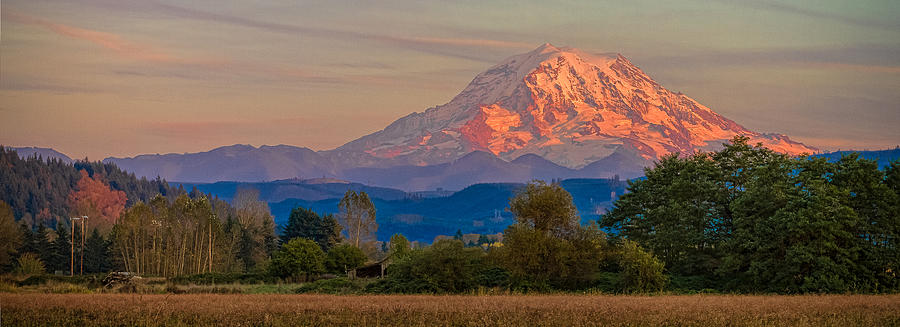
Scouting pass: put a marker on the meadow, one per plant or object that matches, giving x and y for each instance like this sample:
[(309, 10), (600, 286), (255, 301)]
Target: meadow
[(33, 309)]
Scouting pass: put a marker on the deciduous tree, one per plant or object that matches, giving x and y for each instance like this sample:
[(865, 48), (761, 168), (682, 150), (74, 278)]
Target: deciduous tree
[(358, 217), (545, 207), (343, 258), (10, 236), (298, 257), (93, 198)]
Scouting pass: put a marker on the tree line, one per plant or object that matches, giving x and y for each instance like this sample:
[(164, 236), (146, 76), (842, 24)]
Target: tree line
[(749, 219), (546, 249), (194, 233), (742, 219)]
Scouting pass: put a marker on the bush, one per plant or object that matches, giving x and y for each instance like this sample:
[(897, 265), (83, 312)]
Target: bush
[(29, 264), (641, 270), (695, 284), (66, 288), (298, 258), (334, 286), (90, 281), (343, 258), (540, 260), (223, 278), (447, 266)]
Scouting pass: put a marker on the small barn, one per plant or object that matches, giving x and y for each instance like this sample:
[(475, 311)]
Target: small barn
[(372, 270)]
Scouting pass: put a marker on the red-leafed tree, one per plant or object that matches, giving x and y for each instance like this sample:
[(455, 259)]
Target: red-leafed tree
[(93, 198)]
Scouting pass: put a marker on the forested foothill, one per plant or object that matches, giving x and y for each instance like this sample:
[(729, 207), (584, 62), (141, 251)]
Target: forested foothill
[(744, 219)]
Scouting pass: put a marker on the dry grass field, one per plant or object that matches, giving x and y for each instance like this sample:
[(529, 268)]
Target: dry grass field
[(423, 310)]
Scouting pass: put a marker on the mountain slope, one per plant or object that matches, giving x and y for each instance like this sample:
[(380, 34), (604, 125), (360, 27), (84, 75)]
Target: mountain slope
[(568, 106), (231, 163), (549, 113), (483, 167), (45, 153)]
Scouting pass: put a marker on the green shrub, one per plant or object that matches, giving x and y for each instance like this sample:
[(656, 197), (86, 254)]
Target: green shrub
[(343, 258), (539, 260), (298, 258), (65, 288), (694, 284), (334, 286), (29, 264), (641, 270), (608, 282), (446, 266), (223, 278)]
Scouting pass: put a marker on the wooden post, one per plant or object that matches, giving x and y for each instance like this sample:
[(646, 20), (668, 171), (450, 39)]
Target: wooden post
[(81, 270), (72, 262)]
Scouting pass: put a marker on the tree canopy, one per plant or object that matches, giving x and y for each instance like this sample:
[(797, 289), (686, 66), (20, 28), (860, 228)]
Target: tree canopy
[(304, 223), (763, 221), (298, 258)]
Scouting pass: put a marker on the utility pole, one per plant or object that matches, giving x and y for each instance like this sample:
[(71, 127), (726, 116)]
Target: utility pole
[(83, 221), (72, 260)]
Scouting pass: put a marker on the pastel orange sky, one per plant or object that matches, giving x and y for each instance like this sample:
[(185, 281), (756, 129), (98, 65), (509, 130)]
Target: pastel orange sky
[(101, 78)]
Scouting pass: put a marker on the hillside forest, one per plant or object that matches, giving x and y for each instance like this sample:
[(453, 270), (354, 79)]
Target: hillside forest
[(742, 219)]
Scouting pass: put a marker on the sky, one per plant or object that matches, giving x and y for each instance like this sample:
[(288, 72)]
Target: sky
[(101, 78)]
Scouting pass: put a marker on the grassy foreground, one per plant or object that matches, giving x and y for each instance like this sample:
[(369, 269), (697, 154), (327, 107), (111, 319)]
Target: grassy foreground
[(426, 310)]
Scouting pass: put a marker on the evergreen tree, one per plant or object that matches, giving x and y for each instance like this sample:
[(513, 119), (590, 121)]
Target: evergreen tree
[(304, 223), (329, 234), (246, 247), (96, 254), (62, 247), (44, 249), (28, 242)]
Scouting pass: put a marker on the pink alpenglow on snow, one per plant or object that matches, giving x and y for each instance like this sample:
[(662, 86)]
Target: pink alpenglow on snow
[(568, 106)]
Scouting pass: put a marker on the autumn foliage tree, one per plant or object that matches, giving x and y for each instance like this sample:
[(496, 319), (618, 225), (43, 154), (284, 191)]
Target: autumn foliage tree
[(93, 198)]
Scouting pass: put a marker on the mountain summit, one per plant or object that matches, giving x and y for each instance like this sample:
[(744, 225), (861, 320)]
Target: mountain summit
[(568, 106)]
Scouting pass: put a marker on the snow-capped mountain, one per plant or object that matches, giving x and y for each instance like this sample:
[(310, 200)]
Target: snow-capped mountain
[(550, 113), (568, 106)]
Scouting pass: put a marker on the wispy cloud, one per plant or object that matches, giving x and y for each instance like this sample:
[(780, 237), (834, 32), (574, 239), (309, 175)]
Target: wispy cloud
[(23, 84), (893, 25), (170, 65), (864, 58), (185, 12), (450, 47), (109, 41)]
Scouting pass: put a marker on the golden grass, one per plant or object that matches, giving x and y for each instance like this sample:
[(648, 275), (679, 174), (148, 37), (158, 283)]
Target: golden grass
[(425, 310)]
